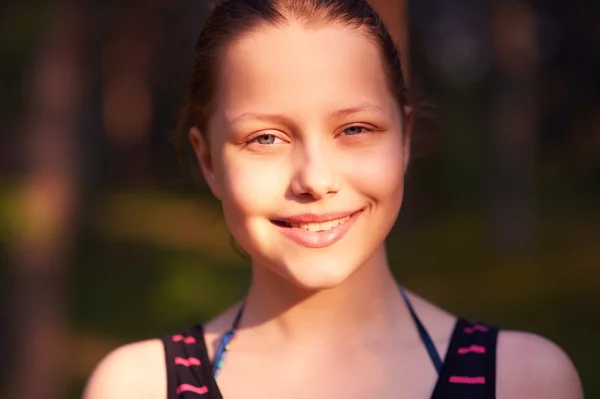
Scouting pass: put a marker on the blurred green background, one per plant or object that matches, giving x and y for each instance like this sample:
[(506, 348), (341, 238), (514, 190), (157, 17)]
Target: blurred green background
[(107, 241)]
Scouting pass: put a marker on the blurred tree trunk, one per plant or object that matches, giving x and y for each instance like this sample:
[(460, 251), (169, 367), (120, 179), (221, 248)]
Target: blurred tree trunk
[(127, 97), (513, 126), (40, 250)]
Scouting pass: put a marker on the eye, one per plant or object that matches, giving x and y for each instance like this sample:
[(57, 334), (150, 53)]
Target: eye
[(265, 139), (354, 130)]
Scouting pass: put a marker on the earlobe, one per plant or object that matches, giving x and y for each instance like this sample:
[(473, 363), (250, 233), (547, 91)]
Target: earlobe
[(203, 156)]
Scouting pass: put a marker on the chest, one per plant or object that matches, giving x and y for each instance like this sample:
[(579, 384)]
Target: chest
[(362, 374)]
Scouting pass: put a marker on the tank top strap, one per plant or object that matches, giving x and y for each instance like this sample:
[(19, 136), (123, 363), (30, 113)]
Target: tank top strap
[(189, 371), (423, 334), (469, 369)]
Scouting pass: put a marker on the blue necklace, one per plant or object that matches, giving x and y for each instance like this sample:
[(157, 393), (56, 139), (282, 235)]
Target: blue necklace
[(230, 334), (225, 340)]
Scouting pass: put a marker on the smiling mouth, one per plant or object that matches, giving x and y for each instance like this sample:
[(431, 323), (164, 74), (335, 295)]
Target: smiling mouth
[(314, 226), (317, 231)]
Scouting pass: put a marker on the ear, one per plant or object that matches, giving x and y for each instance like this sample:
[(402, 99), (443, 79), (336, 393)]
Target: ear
[(407, 129), (202, 150)]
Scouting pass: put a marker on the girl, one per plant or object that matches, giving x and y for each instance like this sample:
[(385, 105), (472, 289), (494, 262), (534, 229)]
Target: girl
[(299, 118)]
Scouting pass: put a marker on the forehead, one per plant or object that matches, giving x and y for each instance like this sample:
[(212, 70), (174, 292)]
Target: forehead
[(293, 69)]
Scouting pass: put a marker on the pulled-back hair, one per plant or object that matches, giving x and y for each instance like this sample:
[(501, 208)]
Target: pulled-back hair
[(231, 19)]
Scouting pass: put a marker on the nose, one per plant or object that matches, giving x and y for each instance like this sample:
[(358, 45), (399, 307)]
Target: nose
[(316, 176)]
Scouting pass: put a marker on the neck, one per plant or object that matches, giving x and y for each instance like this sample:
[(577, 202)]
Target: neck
[(367, 302)]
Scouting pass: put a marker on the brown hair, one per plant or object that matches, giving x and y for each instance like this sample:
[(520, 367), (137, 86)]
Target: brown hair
[(230, 19)]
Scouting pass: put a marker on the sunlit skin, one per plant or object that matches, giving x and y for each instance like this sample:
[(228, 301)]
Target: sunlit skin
[(305, 123), (305, 126)]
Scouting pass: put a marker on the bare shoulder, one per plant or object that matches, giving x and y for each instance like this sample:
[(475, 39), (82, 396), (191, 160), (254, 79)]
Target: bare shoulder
[(531, 366), (134, 370)]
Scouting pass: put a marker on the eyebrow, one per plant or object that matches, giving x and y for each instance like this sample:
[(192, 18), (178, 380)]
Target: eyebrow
[(368, 107), (280, 119), (263, 117)]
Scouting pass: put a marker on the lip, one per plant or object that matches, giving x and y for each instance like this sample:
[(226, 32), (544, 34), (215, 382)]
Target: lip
[(316, 218), (318, 239)]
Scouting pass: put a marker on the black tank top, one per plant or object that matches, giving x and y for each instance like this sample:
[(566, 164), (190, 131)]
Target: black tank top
[(467, 372)]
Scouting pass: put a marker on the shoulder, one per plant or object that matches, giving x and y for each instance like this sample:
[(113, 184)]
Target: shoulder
[(531, 366), (133, 370)]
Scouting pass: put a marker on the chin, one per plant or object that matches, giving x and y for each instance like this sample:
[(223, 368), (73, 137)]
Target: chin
[(317, 283), (317, 274)]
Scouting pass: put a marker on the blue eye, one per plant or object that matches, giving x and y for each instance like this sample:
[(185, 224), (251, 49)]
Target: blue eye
[(353, 130), (265, 139)]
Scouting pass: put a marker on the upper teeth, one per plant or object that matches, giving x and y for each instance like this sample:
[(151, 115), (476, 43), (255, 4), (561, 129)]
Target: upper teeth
[(319, 226)]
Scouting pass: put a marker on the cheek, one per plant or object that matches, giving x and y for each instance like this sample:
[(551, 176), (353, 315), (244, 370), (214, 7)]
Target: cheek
[(379, 174), (256, 186), (251, 185)]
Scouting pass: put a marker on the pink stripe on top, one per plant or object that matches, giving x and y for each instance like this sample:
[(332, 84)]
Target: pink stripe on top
[(190, 388), (476, 327), (455, 379), (186, 340), (190, 361), (472, 348)]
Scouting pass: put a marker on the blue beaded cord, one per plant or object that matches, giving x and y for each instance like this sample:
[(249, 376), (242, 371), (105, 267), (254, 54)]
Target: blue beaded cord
[(225, 340), (425, 338)]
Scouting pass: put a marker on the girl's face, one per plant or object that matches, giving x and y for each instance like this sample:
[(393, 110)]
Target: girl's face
[(306, 151)]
